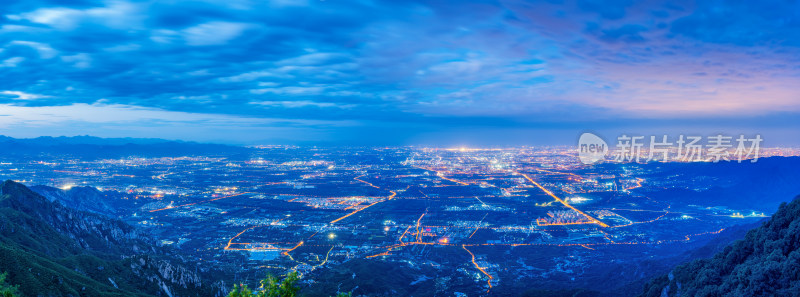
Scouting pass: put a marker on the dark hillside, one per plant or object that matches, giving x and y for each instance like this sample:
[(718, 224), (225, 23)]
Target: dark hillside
[(51, 250), (765, 263)]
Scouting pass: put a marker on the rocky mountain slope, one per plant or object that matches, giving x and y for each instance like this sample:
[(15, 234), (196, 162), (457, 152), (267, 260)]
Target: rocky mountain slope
[(51, 250), (86, 199)]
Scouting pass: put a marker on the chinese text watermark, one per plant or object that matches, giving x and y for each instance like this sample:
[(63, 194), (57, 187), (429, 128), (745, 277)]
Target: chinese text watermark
[(681, 148)]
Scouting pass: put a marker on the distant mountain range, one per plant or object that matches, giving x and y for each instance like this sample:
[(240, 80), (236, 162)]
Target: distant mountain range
[(95, 147), (765, 263), (85, 139), (49, 249)]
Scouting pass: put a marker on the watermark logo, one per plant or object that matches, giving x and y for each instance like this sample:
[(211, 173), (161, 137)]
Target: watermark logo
[(591, 148), (683, 148)]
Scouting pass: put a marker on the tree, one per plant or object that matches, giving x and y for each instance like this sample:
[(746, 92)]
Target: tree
[(240, 291), (272, 287), (286, 288), (7, 290)]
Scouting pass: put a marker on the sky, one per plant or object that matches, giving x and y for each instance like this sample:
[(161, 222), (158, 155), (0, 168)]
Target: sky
[(482, 73)]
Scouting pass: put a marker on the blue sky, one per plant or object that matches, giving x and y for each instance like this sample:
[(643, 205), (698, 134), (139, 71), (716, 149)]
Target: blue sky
[(399, 72)]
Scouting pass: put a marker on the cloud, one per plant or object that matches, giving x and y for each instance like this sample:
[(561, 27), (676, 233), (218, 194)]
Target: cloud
[(213, 33), (116, 14), (290, 91), (627, 33), (109, 120), (45, 50), (80, 60), (12, 62), (742, 23), (314, 59), (116, 113), (410, 63), (23, 96), (301, 103), (251, 76)]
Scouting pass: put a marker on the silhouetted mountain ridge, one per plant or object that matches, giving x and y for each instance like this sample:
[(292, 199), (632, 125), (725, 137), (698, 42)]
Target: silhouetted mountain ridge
[(86, 139)]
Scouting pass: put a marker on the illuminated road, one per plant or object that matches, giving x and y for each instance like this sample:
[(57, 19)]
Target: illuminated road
[(417, 234), (479, 268), (390, 197), (441, 175), (590, 218), (638, 184), (299, 244)]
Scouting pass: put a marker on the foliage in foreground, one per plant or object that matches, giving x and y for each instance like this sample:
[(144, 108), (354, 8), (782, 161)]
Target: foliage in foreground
[(7, 290), (272, 287)]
